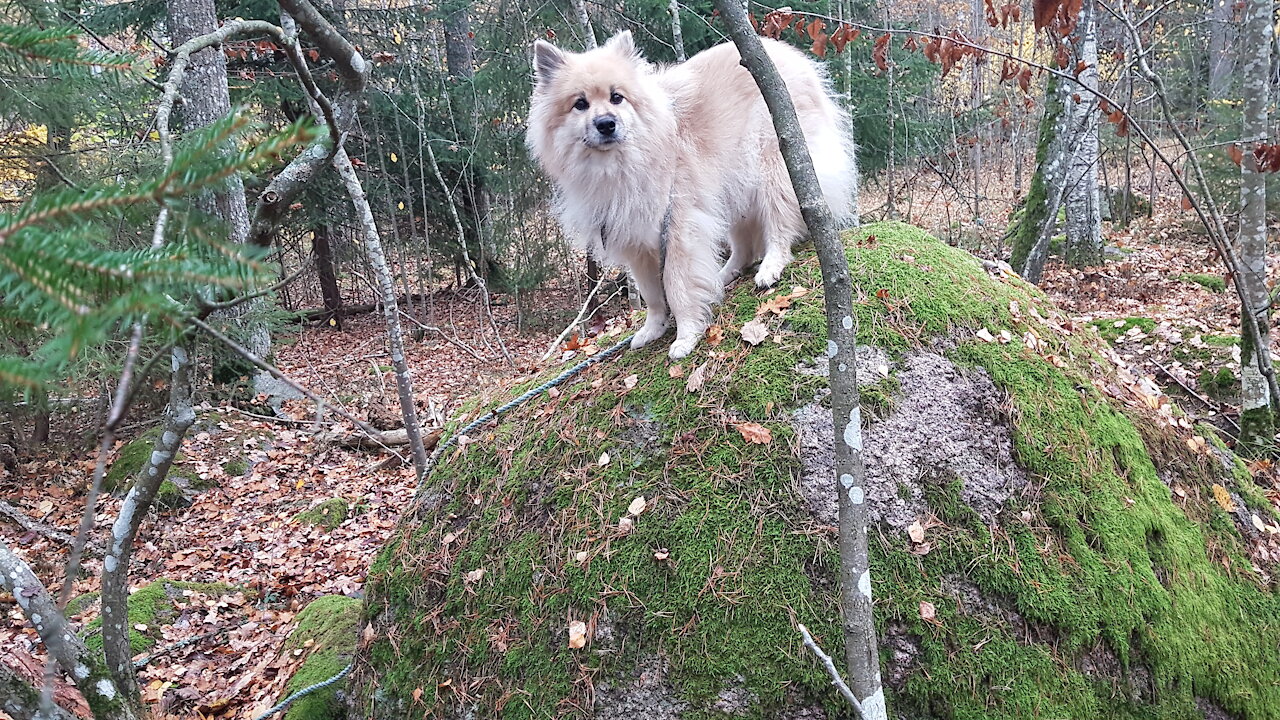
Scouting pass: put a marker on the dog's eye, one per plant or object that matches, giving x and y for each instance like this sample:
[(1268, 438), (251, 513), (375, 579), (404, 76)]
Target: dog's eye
[(580, 104), (616, 99)]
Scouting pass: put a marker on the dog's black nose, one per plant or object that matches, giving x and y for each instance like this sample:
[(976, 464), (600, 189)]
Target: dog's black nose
[(606, 125)]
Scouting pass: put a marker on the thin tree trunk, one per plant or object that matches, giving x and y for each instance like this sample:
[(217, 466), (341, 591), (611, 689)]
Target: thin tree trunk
[(861, 656), (390, 309), (1084, 214), (178, 418), (1040, 209), (677, 34), (1257, 423), (320, 248)]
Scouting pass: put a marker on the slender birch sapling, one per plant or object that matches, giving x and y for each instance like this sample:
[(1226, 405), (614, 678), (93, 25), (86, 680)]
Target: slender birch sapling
[(861, 656)]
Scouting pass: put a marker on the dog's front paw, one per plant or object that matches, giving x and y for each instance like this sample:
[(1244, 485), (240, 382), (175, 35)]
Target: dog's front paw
[(727, 277), (770, 271), (682, 347), (648, 333)]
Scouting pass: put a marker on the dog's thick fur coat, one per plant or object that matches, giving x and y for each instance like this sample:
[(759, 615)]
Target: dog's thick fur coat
[(655, 168)]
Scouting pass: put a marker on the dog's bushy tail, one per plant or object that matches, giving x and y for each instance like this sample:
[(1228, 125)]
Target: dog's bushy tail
[(835, 160)]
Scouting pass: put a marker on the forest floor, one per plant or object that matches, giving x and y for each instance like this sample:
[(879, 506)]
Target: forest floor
[(256, 563)]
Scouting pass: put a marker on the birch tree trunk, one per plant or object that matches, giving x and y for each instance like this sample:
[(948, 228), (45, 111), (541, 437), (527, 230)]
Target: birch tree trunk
[(1257, 423), (677, 33), (178, 418), (1083, 211), (862, 658), (1039, 219)]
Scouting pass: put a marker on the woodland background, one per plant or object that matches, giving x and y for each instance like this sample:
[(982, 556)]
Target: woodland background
[(1116, 154)]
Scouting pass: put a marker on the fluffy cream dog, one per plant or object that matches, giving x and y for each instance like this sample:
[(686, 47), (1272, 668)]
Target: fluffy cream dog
[(655, 168)]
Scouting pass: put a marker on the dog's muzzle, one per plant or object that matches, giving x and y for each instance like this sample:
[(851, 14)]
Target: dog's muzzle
[(605, 131)]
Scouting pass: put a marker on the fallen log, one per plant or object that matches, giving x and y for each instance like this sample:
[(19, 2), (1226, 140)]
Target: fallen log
[(390, 438)]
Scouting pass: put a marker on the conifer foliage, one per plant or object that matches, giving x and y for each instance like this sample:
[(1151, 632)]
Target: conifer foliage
[(69, 276)]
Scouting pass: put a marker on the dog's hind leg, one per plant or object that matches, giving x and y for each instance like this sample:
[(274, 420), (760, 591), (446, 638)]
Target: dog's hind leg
[(781, 224), (646, 270), (744, 248), (691, 277)]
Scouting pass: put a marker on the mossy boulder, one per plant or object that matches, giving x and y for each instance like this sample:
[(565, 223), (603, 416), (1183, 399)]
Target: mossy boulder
[(327, 631), (1078, 553), (130, 459), (327, 514), (150, 608)]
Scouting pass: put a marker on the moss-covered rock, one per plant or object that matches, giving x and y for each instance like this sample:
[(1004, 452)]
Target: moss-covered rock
[(1115, 330), (1212, 283), (1076, 558), (150, 608), (129, 461), (327, 630), (328, 514)]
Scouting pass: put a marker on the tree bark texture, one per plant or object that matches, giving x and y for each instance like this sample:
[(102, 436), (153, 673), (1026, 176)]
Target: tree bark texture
[(862, 659), (21, 701), (1257, 423), (323, 253), (1040, 208), (206, 100), (1083, 210), (677, 33), (64, 645), (178, 418)]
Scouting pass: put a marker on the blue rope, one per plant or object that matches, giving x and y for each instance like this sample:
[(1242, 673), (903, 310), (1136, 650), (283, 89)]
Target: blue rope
[(306, 691), (453, 440)]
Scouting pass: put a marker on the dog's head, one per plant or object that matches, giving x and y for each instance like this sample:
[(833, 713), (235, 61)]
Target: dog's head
[(594, 100)]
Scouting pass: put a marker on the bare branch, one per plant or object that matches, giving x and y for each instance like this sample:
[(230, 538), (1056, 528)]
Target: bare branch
[(830, 667)]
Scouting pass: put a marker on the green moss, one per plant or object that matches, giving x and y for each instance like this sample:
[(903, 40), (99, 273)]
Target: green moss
[(1220, 384), (327, 627), (1212, 283), (169, 496), (151, 607), (329, 514), (526, 538), (129, 461), (235, 467), (879, 399), (81, 603), (1225, 341), (1113, 330)]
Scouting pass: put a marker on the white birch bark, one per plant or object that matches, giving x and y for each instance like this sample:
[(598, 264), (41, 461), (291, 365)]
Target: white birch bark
[(1257, 35), (1083, 209)]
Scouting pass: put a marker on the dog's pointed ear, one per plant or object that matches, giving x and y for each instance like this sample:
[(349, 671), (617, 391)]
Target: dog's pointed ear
[(547, 60), (623, 44)]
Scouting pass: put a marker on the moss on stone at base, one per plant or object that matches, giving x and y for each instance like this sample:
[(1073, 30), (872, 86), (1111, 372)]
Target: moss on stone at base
[(150, 608), (327, 626), (1212, 283), (1113, 330), (1060, 607), (329, 514)]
